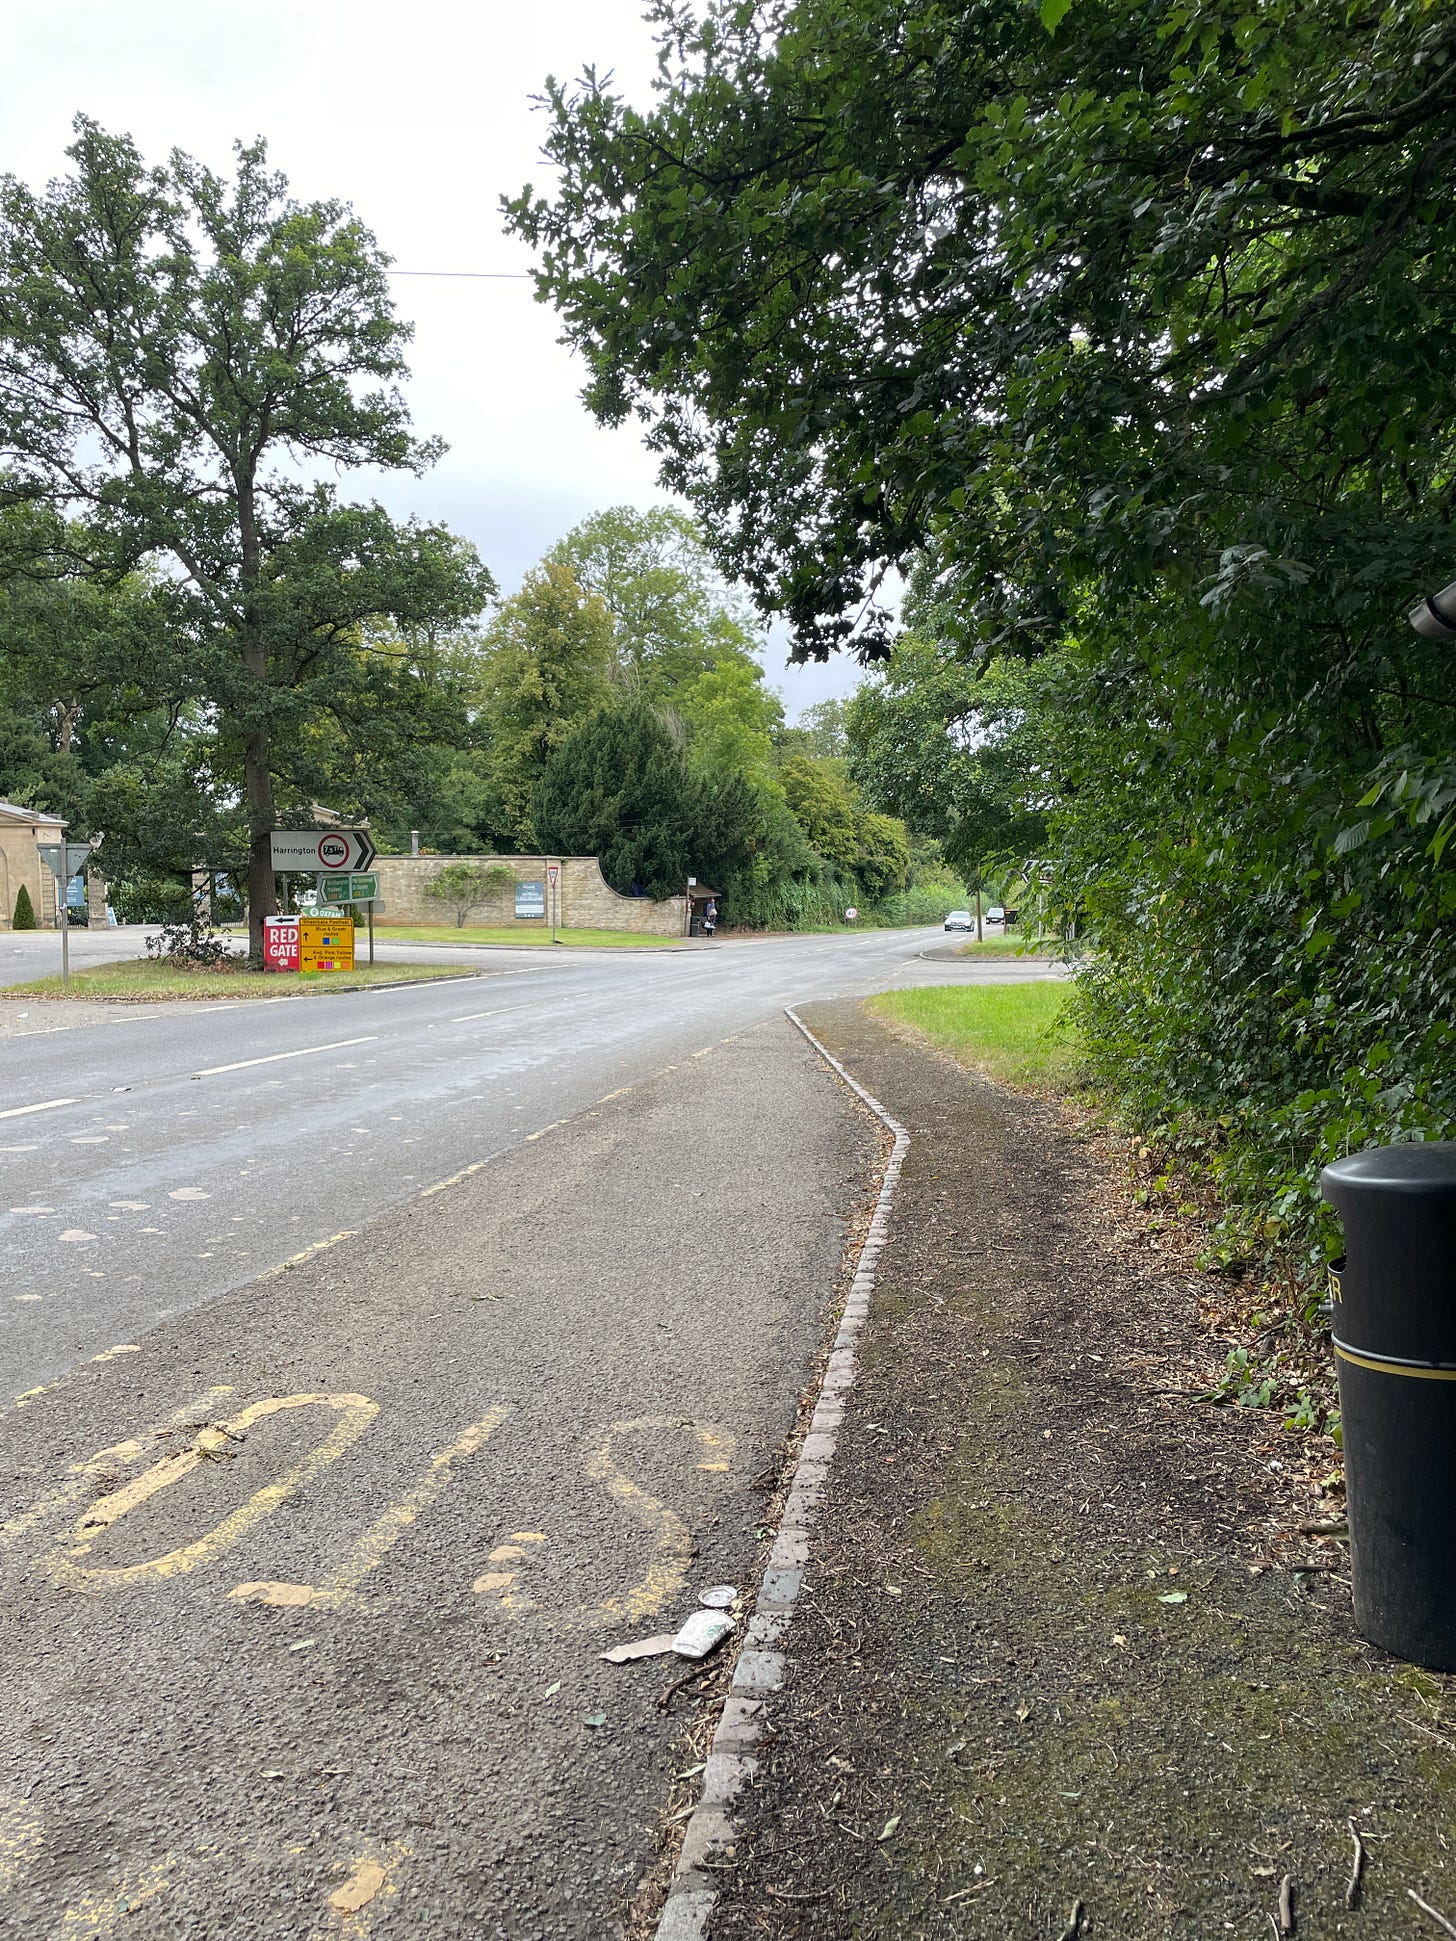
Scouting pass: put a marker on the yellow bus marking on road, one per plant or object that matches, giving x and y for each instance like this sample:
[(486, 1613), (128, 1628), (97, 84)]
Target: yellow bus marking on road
[(314, 1247), (669, 1571), (370, 1888), (358, 1412), (95, 1916), (370, 1550), (21, 1834), (281, 1596), (119, 1456)]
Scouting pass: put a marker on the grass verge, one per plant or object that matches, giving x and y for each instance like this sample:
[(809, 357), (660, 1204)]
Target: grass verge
[(999, 947), (1020, 1033), (446, 933), (146, 982)]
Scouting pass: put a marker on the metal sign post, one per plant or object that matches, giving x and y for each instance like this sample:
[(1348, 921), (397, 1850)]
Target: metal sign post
[(553, 877), (64, 860)]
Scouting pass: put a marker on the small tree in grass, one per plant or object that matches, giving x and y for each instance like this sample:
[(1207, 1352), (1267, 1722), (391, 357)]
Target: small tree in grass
[(24, 918), (465, 886)]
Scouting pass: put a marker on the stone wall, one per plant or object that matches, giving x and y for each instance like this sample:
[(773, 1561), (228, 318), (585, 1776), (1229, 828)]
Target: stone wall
[(586, 901), (20, 863)]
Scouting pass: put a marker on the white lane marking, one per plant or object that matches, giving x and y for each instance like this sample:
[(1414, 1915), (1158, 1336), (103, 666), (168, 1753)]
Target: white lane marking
[(471, 1016), (216, 1071), (49, 1105)]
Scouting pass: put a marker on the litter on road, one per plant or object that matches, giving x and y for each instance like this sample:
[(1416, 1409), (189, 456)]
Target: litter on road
[(703, 1632), (625, 1654)]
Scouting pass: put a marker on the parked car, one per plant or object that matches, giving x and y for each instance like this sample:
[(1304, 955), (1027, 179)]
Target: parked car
[(960, 920)]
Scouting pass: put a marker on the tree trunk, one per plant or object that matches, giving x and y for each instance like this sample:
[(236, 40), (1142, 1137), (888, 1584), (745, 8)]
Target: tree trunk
[(258, 793), (262, 899)]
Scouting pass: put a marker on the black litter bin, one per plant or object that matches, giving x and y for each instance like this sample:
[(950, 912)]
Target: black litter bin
[(1394, 1302)]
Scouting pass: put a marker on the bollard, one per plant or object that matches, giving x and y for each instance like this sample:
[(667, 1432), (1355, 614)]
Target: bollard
[(1394, 1309)]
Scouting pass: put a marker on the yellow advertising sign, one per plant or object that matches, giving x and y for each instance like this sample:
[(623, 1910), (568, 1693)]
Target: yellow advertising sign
[(325, 943)]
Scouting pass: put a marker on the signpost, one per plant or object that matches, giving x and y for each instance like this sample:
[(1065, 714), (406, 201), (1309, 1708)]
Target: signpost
[(64, 860), (325, 943), (321, 849), (350, 889), (553, 877)]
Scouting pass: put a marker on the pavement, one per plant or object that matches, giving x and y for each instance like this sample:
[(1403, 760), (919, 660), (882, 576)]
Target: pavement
[(1072, 1650), (383, 1357)]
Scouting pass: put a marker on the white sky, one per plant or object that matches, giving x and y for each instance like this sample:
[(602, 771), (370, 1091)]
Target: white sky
[(420, 116)]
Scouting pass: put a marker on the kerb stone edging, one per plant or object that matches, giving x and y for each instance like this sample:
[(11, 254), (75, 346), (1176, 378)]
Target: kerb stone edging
[(760, 1668)]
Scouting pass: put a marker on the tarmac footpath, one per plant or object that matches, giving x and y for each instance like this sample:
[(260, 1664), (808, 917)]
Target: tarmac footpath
[(303, 1594)]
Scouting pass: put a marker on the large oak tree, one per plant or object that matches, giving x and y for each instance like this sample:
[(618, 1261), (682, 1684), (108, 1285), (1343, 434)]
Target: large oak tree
[(183, 358)]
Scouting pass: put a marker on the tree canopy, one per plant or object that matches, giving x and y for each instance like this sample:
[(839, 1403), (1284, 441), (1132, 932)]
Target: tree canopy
[(180, 357), (1125, 329)]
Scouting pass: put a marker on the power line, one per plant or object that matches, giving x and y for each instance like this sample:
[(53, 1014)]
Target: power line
[(480, 276)]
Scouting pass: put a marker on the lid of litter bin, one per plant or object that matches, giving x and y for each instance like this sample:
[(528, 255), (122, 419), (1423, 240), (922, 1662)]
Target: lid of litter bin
[(1414, 1166)]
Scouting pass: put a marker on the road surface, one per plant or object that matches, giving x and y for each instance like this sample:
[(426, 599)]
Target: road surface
[(305, 1574)]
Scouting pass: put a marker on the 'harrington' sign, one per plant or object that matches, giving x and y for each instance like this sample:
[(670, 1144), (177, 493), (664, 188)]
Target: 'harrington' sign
[(321, 849)]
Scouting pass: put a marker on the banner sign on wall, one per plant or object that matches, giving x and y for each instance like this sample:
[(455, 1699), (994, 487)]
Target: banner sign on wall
[(530, 899)]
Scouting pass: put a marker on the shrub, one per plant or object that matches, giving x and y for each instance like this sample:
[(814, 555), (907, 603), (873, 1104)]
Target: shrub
[(193, 946), (24, 918), (465, 886)]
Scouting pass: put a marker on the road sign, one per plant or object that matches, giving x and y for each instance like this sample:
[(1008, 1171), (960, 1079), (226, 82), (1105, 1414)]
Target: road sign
[(280, 943), (321, 849), (325, 943), (64, 859), (350, 889), (553, 870)]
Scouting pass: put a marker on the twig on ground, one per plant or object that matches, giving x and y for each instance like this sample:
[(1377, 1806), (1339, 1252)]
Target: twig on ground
[(677, 1684), (1307, 1566), (1286, 1904), (1435, 1914), (1323, 1529), (782, 1894), (1074, 1922), (1352, 1891), (1430, 1731)]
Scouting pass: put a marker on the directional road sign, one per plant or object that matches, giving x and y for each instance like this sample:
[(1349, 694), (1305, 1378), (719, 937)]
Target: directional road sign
[(350, 889), (311, 849), (64, 859)]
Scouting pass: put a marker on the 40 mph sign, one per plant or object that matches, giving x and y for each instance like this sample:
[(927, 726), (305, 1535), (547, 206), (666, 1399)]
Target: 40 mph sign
[(321, 849)]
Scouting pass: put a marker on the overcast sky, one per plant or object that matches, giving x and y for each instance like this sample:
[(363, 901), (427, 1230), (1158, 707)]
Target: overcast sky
[(420, 115)]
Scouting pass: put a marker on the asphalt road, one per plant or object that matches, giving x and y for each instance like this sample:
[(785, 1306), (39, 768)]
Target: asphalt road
[(305, 1576), (153, 1156)]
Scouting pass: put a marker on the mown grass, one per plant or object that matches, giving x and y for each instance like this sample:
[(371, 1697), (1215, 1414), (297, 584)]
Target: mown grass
[(1017, 1032), (144, 981), (997, 946), (446, 933)]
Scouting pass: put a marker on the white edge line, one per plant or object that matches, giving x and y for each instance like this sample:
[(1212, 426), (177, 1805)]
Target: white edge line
[(20, 1111), (760, 1670), (273, 1057)]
